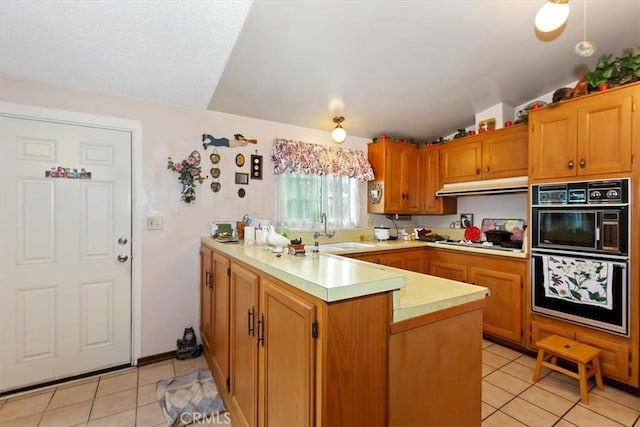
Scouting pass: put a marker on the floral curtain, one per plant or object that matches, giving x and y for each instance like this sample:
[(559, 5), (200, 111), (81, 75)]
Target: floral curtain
[(306, 158)]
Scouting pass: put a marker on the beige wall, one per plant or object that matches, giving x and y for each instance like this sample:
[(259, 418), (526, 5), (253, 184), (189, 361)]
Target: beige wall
[(170, 256)]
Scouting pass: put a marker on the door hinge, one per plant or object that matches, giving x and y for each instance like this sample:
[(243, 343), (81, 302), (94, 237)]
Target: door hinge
[(228, 384), (633, 158), (314, 329), (229, 271), (521, 333), (633, 106)]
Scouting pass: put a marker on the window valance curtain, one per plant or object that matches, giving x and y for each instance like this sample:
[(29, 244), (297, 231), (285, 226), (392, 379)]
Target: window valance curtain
[(307, 158)]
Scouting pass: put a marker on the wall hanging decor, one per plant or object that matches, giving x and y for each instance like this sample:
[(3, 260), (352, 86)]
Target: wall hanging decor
[(239, 160), (190, 174), (72, 173), (215, 171), (256, 166), (238, 141), (242, 178)]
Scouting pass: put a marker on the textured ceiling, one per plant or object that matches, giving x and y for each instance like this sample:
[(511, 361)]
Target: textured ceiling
[(416, 69), (168, 51)]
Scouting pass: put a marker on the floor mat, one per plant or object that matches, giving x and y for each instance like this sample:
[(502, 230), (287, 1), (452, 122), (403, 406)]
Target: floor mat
[(189, 397)]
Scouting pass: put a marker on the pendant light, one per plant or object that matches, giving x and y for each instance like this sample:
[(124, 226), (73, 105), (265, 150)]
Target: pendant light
[(585, 48), (552, 15), (338, 134)]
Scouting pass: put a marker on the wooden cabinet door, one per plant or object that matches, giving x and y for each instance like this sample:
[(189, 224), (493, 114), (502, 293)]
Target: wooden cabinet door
[(553, 143), (540, 330), (614, 359), (503, 312), (410, 181), (461, 162), (205, 299), (286, 358), (448, 270), (505, 153), (220, 318), (429, 174), (416, 260), (392, 188), (244, 352), (604, 134)]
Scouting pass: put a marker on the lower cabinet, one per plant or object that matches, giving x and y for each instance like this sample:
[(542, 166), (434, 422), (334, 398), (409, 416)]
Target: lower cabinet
[(615, 359), (272, 352), (504, 277), (206, 298), (406, 259), (288, 358)]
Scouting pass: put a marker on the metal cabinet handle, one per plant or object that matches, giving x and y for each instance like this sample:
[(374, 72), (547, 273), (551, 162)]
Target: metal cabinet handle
[(487, 169), (570, 165), (583, 163), (376, 261), (250, 321), (123, 257), (261, 330), (477, 171)]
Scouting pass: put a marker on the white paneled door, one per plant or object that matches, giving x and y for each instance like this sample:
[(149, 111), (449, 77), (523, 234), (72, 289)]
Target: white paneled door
[(65, 267)]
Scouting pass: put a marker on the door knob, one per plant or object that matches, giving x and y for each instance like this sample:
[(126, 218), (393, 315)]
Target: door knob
[(122, 241), (123, 257)]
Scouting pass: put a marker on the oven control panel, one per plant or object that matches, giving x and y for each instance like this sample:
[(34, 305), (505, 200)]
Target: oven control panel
[(583, 193)]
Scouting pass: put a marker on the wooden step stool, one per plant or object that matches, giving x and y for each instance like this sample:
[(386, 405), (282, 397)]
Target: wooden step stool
[(585, 356)]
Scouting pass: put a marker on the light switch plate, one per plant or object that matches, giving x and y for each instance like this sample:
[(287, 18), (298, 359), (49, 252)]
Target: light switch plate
[(154, 222)]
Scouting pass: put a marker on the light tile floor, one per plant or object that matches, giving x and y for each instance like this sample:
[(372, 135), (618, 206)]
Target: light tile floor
[(509, 398)]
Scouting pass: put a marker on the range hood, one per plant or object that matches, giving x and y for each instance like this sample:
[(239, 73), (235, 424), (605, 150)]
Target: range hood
[(490, 186)]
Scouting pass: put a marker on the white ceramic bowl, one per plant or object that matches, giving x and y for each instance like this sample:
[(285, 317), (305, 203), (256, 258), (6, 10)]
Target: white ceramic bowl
[(381, 233)]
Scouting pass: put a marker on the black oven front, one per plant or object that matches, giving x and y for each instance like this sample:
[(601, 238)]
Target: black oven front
[(580, 236)]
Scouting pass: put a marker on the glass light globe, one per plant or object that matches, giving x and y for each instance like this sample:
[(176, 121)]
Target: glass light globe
[(338, 134), (585, 48), (551, 16)]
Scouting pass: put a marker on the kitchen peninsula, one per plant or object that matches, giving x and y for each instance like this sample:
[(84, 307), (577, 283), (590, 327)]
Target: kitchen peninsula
[(337, 341)]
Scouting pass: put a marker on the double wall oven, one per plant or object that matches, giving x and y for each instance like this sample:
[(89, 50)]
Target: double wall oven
[(580, 253)]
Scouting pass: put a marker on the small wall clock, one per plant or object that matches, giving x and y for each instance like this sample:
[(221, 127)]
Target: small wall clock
[(256, 166)]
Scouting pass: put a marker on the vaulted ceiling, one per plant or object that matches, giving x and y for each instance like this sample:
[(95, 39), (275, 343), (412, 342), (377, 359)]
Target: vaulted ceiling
[(416, 69)]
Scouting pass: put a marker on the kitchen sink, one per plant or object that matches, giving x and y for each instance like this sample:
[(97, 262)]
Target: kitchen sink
[(331, 247)]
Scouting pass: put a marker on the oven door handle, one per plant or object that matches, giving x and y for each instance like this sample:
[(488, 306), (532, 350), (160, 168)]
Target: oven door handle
[(585, 255), (622, 263)]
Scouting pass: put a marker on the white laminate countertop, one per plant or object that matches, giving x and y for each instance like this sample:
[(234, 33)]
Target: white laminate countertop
[(332, 277)]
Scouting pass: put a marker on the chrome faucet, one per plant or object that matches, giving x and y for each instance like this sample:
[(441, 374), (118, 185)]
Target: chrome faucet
[(329, 234)]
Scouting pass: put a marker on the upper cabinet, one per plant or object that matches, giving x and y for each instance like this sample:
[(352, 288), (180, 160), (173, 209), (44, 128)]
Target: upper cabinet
[(492, 155), (396, 185), (584, 137), (430, 182)]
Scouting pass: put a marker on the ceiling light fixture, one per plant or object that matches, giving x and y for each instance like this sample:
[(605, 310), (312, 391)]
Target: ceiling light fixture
[(585, 48), (552, 15), (338, 134)]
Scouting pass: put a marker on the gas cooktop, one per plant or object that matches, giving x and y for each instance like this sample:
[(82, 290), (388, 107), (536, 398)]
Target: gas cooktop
[(481, 245)]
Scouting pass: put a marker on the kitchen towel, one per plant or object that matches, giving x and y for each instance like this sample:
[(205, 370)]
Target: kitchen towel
[(581, 281)]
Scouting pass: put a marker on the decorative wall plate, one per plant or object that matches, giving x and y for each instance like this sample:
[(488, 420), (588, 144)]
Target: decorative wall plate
[(239, 160), (214, 157), (215, 187), (375, 193), (215, 172), (241, 193)]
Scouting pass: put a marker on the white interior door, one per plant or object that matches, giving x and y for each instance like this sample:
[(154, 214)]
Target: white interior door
[(65, 297)]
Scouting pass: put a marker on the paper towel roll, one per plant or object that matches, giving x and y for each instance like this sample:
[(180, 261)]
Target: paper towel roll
[(249, 235)]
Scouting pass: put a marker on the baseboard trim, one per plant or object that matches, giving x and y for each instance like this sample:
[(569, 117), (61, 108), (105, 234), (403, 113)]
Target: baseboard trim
[(147, 360)]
